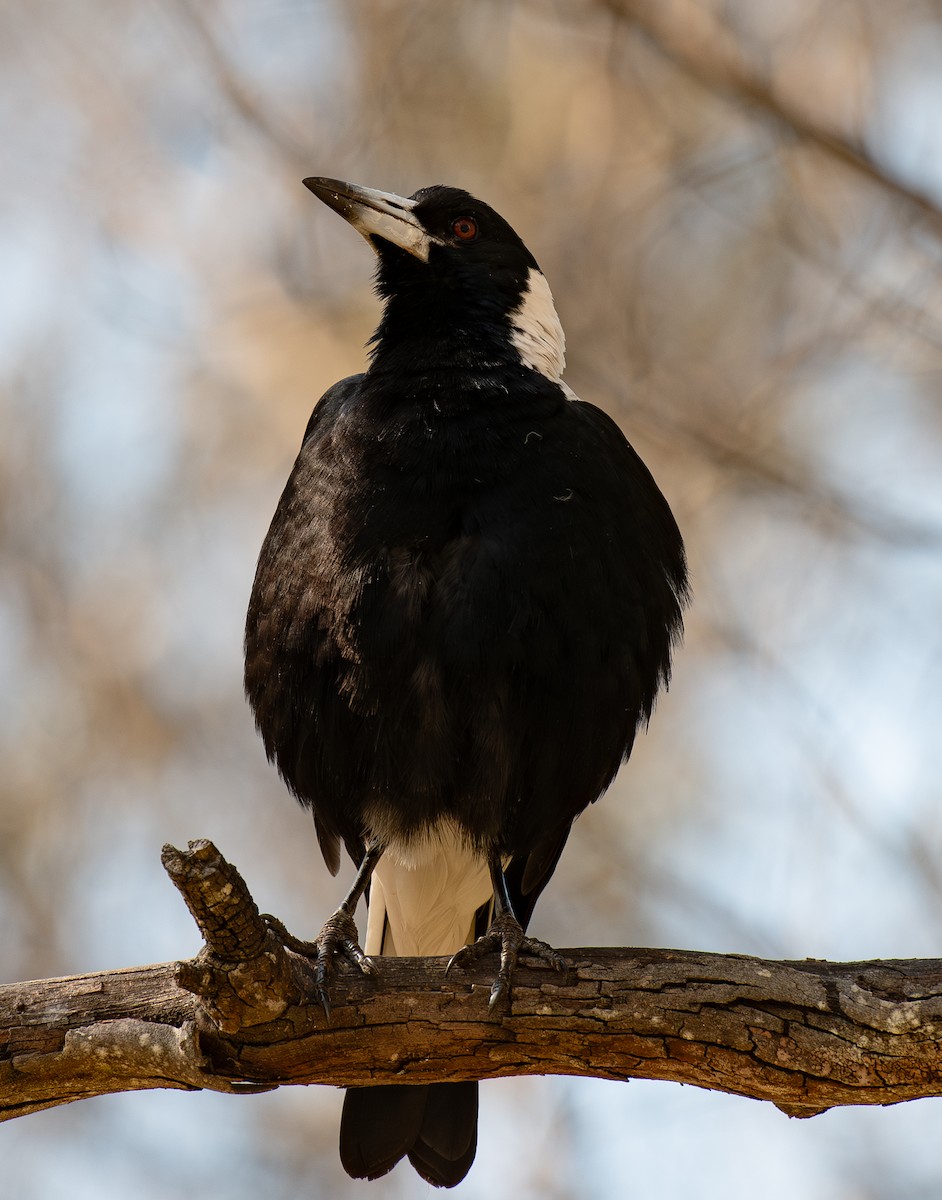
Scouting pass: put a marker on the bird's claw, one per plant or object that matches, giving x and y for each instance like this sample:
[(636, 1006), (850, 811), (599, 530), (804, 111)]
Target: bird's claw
[(506, 937), (337, 939)]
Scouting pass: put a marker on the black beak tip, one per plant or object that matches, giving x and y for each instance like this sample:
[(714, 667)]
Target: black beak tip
[(333, 192), (319, 184)]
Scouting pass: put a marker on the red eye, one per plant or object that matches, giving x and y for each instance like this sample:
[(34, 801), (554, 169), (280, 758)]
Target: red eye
[(465, 228)]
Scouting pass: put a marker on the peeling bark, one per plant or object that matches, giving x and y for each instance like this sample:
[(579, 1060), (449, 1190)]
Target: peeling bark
[(242, 1016)]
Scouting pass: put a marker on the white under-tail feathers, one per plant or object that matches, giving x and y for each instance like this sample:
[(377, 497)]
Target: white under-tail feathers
[(424, 895)]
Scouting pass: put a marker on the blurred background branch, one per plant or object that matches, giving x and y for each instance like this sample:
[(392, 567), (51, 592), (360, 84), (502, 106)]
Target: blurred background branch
[(703, 43)]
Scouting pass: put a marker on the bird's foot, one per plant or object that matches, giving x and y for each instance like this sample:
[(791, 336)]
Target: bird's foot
[(507, 937), (338, 939)]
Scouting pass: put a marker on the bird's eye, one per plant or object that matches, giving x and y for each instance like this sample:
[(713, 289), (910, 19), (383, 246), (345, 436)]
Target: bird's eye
[(465, 228)]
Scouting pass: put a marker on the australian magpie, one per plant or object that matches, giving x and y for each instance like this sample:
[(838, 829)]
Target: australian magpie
[(463, 611)]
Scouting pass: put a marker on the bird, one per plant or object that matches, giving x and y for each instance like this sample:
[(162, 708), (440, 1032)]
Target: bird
[(463, 612)]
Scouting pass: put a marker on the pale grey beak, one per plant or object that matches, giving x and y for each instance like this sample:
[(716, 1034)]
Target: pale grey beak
[(375, 214)]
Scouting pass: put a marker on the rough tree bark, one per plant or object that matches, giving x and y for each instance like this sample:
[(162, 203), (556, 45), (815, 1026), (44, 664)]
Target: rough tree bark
[(242, 1016)]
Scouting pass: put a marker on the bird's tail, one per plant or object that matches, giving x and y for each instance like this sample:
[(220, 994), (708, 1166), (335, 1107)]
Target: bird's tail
[(429, 900), (435, 1124)]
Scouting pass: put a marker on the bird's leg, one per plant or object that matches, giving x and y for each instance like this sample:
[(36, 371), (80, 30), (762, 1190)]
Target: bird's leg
[(506, 936), (338, 936)]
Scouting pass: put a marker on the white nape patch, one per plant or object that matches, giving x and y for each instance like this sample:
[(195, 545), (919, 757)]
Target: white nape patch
[(537, 334), (424, 894)]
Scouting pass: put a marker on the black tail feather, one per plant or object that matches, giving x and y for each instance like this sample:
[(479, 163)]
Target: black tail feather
[(436, 1125), (445, 1148)]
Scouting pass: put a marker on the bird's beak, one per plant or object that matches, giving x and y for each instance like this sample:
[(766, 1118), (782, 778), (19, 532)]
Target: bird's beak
[(375, 214)]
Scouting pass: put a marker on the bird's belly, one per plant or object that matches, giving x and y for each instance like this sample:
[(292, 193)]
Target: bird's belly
[(425, 892)]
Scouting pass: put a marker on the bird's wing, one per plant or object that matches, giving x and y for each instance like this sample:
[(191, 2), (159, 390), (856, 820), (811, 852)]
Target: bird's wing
[(632, 569), (273, 641)]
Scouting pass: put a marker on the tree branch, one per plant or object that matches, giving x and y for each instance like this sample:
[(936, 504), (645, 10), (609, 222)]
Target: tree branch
[(693, 38), (242, 1016)]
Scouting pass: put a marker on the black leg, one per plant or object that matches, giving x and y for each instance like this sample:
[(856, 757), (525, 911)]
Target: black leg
[(502, 901), (505, 936), (338, 938), (372, 856)]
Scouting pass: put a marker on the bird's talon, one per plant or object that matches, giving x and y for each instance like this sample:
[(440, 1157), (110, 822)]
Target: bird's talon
[(463, 958), (323, 998), (500, 995), (506, 937)]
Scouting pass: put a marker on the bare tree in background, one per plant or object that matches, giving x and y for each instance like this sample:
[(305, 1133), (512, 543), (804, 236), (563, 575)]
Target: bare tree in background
[(737, 206)]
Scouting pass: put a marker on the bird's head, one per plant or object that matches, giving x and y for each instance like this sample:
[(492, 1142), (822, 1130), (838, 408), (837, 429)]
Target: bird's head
[(448, 262)]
